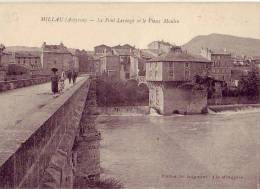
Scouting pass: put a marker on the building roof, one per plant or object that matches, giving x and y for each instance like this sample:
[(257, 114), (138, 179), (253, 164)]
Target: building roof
[(108, 55), (5, 52), (150, 53), (217, 51), (256, 57), (74, 51), (125, 46), (179, 57), (102, 45), (28, 54), (122, 52), (55, 48)]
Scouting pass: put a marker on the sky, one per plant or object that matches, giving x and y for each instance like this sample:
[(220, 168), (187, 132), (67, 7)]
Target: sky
[(78, 25)]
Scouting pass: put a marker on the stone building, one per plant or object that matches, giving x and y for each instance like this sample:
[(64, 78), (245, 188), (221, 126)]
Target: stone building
[(29, 60), (221, 64), (94, 64), (110, 67), (84, 65), (169, 79), (102, 49), (75, 59), (124, 55), (125, 46), (56, 56)]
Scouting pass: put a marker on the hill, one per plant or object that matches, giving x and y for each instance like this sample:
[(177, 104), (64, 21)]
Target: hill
[(219, 42)]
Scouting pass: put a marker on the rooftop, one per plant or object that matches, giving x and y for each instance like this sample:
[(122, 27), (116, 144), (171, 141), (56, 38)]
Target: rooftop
[(217, 51), (150, 53), (179, 57), (125, 46), (55, 48), (26, 54), (102, 45), (122, 52)]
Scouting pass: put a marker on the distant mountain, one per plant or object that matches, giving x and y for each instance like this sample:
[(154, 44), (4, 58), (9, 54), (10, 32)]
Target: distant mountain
[(22, 48), (219, 42)]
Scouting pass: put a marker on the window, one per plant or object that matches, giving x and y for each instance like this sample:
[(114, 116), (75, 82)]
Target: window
[(187, 71), (157, 97), (156, 70), (171, 69), (187, 74)]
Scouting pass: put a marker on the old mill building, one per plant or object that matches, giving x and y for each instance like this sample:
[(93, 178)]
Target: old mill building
[(169, 77)]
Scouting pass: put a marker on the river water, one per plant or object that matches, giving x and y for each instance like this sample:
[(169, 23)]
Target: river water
[(193, 151)]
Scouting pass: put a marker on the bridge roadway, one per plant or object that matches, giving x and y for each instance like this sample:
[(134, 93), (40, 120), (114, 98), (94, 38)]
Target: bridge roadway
[(18, 104)]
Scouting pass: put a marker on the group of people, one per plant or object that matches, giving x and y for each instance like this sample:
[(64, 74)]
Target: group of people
[(58, 82)]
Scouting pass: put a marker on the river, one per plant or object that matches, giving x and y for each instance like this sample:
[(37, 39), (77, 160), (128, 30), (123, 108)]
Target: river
[(193, 151)]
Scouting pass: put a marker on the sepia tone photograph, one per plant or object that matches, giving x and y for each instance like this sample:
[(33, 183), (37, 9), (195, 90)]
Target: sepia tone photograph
[(130, 95)]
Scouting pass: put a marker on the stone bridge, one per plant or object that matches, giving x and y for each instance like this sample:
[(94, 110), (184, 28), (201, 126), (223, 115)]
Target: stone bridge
[(51, 145)]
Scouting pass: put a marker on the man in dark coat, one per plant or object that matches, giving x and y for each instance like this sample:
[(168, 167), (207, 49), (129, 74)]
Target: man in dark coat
[(54, 81), (74, 76), (69, 75)]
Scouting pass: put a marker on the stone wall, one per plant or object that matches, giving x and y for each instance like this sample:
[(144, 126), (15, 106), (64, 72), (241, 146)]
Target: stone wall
[(14, 84), (42, 154), (184, 101)]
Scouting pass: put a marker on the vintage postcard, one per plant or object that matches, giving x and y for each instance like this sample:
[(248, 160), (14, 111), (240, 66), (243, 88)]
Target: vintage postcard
[(130, 95)]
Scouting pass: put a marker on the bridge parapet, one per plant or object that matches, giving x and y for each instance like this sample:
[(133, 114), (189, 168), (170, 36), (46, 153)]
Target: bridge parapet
[(14, 84), (37, 151)]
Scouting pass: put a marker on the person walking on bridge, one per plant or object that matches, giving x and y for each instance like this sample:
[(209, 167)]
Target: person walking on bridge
[(69, 76), (54, 81), (62, 82), (74, 76)]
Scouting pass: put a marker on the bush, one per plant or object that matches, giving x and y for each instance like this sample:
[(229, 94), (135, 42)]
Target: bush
[(119, 93), (248, 86)]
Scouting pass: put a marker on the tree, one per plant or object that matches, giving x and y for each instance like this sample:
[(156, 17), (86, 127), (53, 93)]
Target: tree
[(248, 86)]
